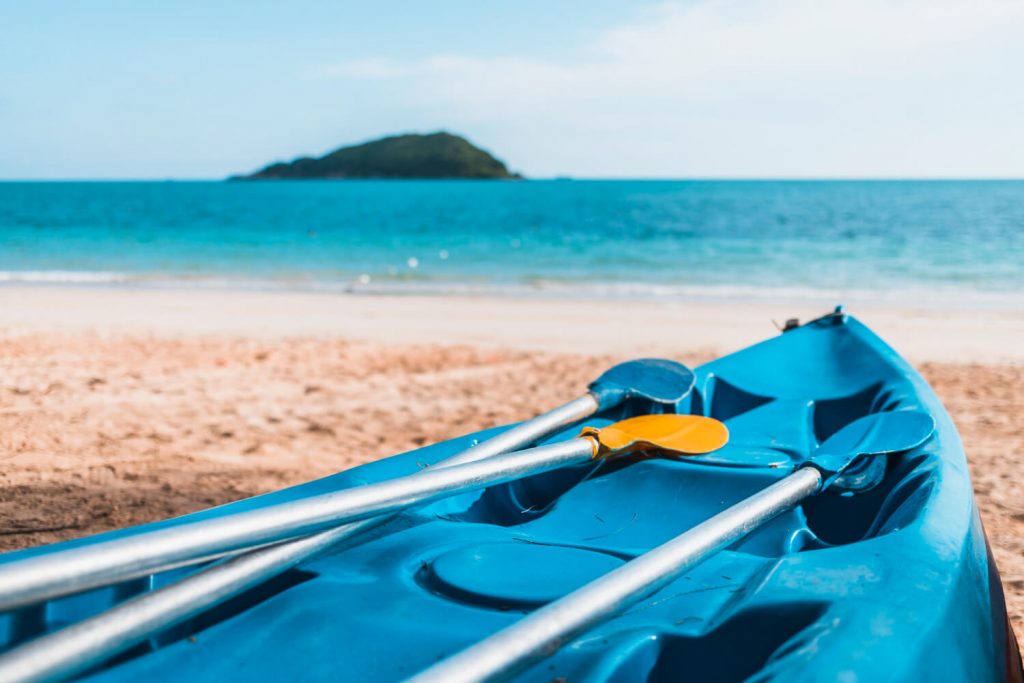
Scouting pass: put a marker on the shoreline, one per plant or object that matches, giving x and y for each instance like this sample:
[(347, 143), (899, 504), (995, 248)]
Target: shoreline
[(590, 326), (938, 297)]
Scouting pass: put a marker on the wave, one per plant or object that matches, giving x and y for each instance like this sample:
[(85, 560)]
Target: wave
[(63, 277), (915, 294)]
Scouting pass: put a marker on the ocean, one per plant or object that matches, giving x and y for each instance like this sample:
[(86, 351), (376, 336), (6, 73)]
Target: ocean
[(922, 243)]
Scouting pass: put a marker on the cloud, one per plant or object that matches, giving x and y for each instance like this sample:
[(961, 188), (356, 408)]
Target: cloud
[(736, 87)]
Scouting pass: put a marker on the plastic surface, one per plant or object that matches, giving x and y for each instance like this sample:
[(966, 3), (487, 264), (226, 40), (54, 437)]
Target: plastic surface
[(504, 576), (663, 382), (665, 435), (893, 584), (867, 438)]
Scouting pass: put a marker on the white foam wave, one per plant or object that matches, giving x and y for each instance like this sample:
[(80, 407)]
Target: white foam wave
[(62, 276), (938, 296), (931, 297)]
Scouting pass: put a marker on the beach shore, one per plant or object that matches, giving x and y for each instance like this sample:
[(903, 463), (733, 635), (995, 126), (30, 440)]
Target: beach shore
[(579, 326), (121, 406)]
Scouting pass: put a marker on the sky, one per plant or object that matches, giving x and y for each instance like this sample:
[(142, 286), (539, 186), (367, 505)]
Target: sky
[(696, 89)]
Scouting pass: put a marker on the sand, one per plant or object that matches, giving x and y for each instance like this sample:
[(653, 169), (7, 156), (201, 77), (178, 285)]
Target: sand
[(583, 326), (122, 407)]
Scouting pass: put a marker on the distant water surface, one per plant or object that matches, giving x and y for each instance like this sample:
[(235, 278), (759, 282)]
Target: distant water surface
[(914, 242)]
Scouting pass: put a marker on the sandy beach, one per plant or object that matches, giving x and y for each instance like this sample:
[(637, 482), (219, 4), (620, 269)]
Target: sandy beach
[(119, 407)]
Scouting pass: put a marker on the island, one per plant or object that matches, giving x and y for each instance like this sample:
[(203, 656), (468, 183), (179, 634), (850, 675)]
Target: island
[(434, 155)]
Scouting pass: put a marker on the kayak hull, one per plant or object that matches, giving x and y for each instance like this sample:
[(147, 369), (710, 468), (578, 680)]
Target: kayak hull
[(893, 584)]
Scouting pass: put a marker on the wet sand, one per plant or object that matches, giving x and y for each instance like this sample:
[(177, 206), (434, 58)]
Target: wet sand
[(106, 424)]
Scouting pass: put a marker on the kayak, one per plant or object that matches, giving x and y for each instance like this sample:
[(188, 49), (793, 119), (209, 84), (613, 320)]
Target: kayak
[(892, 583)]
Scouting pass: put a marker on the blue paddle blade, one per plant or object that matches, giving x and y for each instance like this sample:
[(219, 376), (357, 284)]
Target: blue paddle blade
[(870, 436), (654, 379), (880, 434)]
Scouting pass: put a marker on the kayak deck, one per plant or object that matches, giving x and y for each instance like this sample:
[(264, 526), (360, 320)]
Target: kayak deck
[(891, 584)]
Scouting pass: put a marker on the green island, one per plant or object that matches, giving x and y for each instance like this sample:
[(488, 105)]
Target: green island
[(434, 155)]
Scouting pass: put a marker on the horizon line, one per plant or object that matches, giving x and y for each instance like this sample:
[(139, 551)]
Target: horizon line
[(554, 178)]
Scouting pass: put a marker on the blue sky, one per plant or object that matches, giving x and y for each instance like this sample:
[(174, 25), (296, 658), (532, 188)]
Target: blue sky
[(704, 88)]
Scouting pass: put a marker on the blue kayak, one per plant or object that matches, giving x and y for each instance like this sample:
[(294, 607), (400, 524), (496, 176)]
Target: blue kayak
[(895, 583)]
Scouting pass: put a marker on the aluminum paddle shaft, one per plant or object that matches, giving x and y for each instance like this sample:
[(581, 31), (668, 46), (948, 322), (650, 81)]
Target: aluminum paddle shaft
[(527, 433), (58, 573), (77, 647), (539, 635), (653, 380)]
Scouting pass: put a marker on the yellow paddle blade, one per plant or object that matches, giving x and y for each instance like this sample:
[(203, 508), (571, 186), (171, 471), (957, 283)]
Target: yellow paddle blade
[(673, 434)]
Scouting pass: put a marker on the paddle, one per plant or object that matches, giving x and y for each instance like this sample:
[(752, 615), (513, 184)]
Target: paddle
[(38, 660), (74, 648), (142, 553), (541, 634), (649, 380)]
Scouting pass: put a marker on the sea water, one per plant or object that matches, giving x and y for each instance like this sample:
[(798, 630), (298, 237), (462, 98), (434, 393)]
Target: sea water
[(906, 242)]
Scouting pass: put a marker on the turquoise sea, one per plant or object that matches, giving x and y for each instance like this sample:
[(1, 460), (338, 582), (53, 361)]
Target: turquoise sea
[(918, 242)]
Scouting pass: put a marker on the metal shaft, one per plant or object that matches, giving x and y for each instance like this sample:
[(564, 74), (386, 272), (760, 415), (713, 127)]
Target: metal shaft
[(72, 649), (526, 433), (538, 636), (58, 573)]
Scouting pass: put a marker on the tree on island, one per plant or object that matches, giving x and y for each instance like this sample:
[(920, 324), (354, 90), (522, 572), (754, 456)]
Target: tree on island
[(436, 155)]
